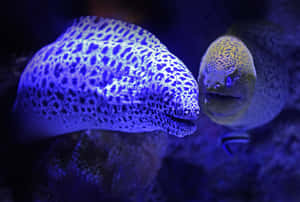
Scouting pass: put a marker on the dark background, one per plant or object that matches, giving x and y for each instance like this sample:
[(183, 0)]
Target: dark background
[(186, 27)]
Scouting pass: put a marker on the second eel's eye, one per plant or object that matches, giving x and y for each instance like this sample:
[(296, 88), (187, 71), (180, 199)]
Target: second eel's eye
[(226, 80)]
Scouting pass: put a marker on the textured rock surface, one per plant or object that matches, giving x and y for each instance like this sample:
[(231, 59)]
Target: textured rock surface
[(99, 166), (265, 170)]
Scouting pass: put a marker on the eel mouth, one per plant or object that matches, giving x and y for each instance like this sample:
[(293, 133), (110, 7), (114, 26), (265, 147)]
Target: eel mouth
[(222, 96), (180, 127), (183, 121), (221, 104)]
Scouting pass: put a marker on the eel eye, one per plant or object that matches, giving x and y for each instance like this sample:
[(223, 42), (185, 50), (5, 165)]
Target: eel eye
[(228, 81)]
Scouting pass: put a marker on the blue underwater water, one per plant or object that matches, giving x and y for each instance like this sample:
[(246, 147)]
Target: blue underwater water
[(123, 165)]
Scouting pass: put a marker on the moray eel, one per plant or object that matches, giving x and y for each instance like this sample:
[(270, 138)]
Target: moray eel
[(109, 75), (242, 79)]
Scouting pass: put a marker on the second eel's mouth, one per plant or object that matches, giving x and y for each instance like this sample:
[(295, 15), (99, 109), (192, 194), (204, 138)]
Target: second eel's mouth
[(221, 96), (221, 101), (222, 105)]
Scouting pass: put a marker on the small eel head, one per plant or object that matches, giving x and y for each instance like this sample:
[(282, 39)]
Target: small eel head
[(227, 78)]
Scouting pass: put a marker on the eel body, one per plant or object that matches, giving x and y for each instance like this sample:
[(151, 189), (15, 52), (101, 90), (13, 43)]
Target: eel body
[(106, 74)]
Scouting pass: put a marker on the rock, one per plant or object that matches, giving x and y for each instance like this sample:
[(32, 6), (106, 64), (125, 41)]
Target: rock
[(98, 165)]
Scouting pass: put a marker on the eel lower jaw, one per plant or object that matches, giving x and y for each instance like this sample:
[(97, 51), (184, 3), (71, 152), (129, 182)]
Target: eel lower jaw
[(181, 127)]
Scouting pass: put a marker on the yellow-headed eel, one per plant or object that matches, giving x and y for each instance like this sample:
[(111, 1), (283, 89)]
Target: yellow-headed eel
[(243, 80)]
